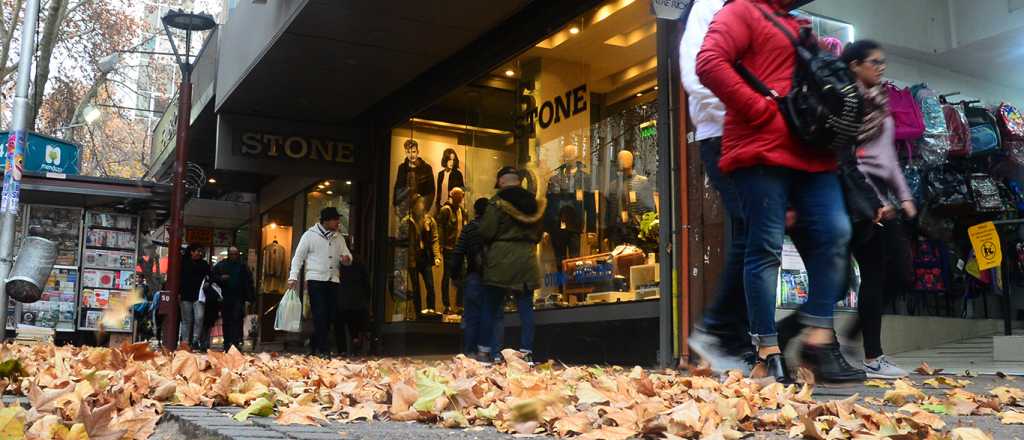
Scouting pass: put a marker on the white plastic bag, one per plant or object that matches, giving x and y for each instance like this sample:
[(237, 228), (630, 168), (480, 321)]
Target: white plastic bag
[(289, 313)]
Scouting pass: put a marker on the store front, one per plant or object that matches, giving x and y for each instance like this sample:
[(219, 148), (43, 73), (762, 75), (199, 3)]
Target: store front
[(579, 111)]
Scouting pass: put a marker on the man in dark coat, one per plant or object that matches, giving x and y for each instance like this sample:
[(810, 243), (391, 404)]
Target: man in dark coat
[(353, 307), (511, 229), (414, 177), (236, 283)]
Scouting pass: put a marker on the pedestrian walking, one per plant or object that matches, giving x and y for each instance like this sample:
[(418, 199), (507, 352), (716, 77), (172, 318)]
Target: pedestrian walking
[(352, 326), (321, 251), (510, 230), (883, 254), (466, 263), (722, 339), (194, 270), (772, 171), (237, 289)]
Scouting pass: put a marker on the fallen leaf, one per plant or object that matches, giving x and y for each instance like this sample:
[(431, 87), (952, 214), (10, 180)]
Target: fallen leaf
[(931, 420), (12, 423), (578, 423), (260, 407), (136, 423), (138, 352), (1012, 418), (301, 415), (969, 434), (925, 370), (1005, 376), (876, 383), (429, 389), (903, 393), (362, 411), (940, 381), (609, 433), (585, 393)]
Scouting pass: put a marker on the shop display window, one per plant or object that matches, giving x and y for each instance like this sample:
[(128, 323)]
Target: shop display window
[(577, 113), (330, 193)]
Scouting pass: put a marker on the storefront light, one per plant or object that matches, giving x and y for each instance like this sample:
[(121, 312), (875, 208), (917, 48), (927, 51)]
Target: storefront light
[(574, 30), (211, 180), (348, 182), (639, 94), (329, 192), (510, 73), (327, 183)]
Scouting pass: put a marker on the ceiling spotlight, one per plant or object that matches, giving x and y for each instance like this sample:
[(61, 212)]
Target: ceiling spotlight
[(639, 94), (574, 30), (510, 73), (655, 87), (329, 192), (348, 182), (327, 183), (211, 180)]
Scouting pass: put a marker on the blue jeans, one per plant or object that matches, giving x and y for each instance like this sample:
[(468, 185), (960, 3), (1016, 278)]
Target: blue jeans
[(493, 313), (727, 315), (825, 230), (472, 312)]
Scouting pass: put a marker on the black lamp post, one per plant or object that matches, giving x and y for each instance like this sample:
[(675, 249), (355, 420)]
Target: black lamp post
[(188, 22)]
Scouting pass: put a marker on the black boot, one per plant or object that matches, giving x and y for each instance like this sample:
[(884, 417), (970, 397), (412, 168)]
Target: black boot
[(775, 367), (788, 329), (828, 364)]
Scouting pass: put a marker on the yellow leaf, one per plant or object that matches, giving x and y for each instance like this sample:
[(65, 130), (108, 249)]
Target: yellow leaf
[(876, 383), (1013, 418), (12, 423), (903, 394), (926, 370), (586, 393), (970, 434), (77, 432)]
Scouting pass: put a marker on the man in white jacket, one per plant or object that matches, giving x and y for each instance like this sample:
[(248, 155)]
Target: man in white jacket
[(321, 250), (721, 339)]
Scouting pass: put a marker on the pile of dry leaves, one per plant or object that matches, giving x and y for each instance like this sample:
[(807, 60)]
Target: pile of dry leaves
[(100, 393)]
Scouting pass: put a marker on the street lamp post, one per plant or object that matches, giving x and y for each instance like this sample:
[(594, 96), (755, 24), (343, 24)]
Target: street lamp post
[(15, 149), (188, 22)]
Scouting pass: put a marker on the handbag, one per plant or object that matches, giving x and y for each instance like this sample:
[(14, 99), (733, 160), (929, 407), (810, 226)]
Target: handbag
[(861, 200), (209, 290), (823, 107)]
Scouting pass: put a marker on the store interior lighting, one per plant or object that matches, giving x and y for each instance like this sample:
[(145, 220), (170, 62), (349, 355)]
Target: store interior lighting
[(510, 73)]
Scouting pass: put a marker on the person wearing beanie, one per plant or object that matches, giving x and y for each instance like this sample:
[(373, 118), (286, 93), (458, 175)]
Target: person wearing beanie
[(321, 251)]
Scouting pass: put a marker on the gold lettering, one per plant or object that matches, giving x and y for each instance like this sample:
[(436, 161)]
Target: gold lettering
[(345, 153), (321, 150), (251, 143), (274, 142), (290, 151)]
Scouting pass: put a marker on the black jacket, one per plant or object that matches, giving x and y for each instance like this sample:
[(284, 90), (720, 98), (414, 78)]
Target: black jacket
[(469, 251), (423, 178), (355, 288), (455, 180), (239, 286), (192, 274)]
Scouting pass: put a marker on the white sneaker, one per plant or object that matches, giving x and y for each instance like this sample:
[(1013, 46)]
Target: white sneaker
[(883, 368), (710, 349)]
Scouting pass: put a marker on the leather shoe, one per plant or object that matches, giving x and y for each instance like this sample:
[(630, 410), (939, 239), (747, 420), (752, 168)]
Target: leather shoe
[(774, 366), (828, 364)]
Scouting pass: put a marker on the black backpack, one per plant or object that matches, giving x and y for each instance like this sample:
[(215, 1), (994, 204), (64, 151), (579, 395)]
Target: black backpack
[(823, 108)]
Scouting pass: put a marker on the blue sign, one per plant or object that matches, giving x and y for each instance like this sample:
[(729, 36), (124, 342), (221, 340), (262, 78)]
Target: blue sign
[(47, 155)]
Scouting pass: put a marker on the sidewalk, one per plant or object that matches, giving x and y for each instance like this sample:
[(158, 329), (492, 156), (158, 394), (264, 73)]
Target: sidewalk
[(216, 423)]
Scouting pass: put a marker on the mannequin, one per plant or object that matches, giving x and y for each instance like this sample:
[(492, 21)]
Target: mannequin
[(631, 197), (414, 178), (449, 178), (571, 210), (451, 218), (424, 253)]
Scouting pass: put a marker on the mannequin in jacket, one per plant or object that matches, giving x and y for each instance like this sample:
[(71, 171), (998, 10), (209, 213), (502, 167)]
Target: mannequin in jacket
[(570, 210), (424, 254), (451, 218), (449, 178), (630, 198), (414, 178)]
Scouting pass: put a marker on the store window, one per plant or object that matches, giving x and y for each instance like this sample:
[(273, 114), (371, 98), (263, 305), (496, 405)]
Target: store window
[(577, 112), (330, 193)]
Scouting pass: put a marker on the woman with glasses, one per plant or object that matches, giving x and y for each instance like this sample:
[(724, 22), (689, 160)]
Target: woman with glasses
[(884, 253)]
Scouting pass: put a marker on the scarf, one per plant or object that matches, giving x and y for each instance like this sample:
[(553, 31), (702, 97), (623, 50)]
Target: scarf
[(876, 109)]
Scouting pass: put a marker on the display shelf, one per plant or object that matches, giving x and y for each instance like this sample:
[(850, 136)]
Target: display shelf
[(109, 252)]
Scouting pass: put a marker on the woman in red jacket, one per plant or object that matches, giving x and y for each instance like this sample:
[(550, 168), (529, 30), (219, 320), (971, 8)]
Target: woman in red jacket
[(772, 171)]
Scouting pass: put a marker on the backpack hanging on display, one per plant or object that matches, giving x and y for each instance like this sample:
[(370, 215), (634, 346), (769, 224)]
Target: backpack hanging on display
[(1011, 127), (959, 131), (986, 193), (945, 189), (906, 113), (933, 146), (985, 137), (930, 266)]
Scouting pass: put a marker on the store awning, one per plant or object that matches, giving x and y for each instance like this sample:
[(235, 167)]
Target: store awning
[(96, 192)]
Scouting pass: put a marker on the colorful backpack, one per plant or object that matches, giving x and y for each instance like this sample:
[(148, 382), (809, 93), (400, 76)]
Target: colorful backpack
[(959, 131), (933, 147), (984, 130), (930, 268), (1011, 127)]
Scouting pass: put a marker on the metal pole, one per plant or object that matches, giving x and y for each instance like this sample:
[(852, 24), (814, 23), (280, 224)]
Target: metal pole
[(666, 142), (170, 331), (15, 151)]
